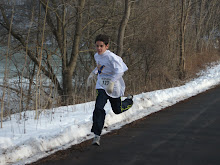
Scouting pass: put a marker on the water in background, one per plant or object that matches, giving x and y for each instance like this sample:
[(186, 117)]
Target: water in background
[(15, 65), (14, 62)]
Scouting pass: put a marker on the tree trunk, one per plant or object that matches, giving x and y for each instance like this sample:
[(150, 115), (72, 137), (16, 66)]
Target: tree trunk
[(67, 97), (68, 72), (185, 8), (181, 43), (122, 27)]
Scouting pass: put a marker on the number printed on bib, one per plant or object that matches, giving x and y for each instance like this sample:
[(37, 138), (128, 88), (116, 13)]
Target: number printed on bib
[(104, 82)]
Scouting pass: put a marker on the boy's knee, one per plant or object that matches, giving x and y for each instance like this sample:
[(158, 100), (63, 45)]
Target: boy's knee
[(99, 110), (117, 111)]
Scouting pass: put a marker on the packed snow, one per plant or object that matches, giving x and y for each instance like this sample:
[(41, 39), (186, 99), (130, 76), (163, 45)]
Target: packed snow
[(26, 140)]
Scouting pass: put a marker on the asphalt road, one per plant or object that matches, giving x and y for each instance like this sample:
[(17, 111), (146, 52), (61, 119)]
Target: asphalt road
[(187, 133)]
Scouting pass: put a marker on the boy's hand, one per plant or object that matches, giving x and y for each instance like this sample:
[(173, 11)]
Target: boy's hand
[(110, 87), (90, 79)]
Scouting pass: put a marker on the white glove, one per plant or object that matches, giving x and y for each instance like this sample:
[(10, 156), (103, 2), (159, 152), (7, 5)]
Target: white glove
[(90, 79), (110, 87)]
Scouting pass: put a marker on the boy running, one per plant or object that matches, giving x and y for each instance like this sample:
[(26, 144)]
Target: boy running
[(110, 85)]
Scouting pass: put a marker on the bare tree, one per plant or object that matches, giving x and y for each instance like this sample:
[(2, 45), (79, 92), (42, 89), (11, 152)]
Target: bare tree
[(184, 16), (59, 30), (122, 27), (6, 71), (154, 38)]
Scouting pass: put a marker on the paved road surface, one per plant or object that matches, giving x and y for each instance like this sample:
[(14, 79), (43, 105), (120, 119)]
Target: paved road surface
[(187, 133)]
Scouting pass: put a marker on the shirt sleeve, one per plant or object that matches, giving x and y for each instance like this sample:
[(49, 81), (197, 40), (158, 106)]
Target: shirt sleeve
[(119, 65), (95, 70)]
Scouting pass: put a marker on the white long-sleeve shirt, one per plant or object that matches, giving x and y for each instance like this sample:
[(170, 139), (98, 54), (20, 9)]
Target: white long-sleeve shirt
[(110, 67)]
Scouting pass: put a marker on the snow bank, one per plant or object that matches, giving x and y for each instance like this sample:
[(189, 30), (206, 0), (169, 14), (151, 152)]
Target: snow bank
[(26, 140)]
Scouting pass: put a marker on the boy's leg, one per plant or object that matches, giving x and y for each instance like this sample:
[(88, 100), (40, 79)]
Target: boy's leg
[(119, 106), (99, 112)]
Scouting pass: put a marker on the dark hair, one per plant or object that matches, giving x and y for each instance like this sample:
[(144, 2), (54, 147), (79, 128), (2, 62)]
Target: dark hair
[(103, 38)]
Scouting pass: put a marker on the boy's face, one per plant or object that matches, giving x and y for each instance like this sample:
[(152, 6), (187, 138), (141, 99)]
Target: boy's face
[(101, 47)]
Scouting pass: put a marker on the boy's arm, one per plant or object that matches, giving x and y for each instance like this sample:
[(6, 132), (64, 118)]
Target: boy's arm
[(115, 77), (95, 71), (91, 77)]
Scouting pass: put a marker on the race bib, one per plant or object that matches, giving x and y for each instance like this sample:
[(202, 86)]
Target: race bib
[(104, 82)]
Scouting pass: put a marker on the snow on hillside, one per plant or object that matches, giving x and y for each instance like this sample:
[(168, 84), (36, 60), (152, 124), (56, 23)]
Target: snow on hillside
[(27, 140)]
